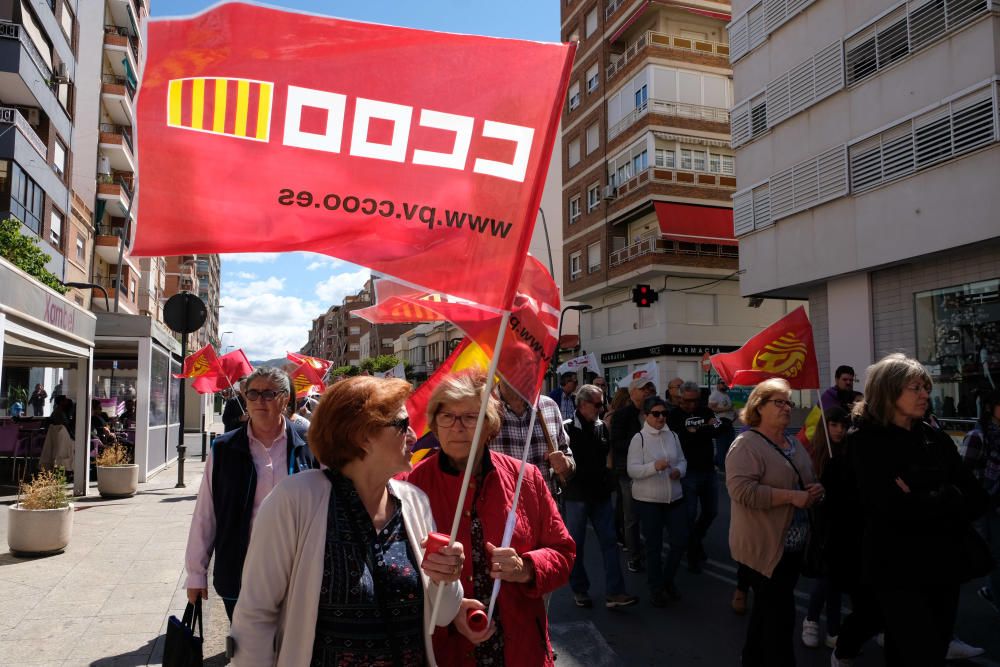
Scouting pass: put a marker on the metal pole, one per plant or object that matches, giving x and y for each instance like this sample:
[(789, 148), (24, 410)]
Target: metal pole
[(204, 444), (180, 414)]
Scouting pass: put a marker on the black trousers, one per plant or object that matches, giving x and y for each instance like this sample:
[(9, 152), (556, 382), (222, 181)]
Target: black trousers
[(918, 624), (230, 607), (771, 628), (863, 623)]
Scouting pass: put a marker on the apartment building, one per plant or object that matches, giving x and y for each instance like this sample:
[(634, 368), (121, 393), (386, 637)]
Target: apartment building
[(648, 179), (866, 162)]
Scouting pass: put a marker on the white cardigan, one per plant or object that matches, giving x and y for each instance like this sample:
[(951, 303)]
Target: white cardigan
[(275, 618), (648, 484)]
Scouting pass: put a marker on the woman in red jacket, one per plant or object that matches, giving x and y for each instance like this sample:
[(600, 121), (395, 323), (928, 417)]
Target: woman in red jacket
[(541, 553)]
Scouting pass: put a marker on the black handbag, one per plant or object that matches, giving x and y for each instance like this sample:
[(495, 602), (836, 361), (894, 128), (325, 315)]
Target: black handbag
[(182, 647)]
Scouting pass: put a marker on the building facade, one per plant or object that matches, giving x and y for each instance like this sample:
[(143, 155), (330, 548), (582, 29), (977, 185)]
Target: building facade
[(867, 158)]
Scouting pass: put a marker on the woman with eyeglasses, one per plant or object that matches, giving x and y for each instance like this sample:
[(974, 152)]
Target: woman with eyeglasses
[(917, 503), (336, 573), (541, 553), (240, 471), (771, 484), (656, 465)]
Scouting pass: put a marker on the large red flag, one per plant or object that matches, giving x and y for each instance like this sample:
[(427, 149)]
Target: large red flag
[(229, 369), (784, 349), (528, 344), (421, 155), (204, 362)]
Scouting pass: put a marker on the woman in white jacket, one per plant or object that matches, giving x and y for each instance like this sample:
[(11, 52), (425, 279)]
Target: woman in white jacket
[(656, 465)]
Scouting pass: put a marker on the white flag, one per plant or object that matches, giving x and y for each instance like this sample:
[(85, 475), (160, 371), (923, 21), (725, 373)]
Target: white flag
[(650, 370), (586, 361), (396, 371)]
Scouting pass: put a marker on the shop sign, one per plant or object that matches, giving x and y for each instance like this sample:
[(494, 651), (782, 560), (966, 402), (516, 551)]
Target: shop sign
[(668, 349), (21, 295)]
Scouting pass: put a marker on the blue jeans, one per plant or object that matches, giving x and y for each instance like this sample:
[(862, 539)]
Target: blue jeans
[(602, 517), (825, 594), (654, 517), (989, 527), (700, 488)]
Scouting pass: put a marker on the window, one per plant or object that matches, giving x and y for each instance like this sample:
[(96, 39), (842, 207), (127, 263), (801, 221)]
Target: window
[(593, 196), (692, 160), (354, 347), (593, 78), (574, 153), (66, 20), (664, 158), (640, 162), (594, 257), (133, 287), (720, 164), (26, 198), (354, 331), (574, 95), (574, 209), (59, 158), (758, 115), (81, 249), (387, 342), (591, 24), (641, 97), (593, 138), (55, 228), (574, 265)]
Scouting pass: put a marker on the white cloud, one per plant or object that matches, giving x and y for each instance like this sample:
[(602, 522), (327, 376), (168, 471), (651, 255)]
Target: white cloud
[(243, 275), (333, 290), (270, 285), (250, 257), (267, 325), (324, 262)]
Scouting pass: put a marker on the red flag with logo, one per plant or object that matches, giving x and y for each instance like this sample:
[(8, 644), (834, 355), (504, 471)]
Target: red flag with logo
[(230, 368), (528, 344), (419, 154), (784, 349), (321, 365), (306, 379), (204, 362)]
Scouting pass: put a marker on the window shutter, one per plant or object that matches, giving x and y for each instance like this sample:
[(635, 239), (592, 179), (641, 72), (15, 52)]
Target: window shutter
[(782, 202), (961, 12), (926, 21), (740, 123), (806, 184), (800, 86), (755, 26), (831, 170), (932, 136), (738, 38), (859, 55), (774, 14), (758, 114), (897, 152), (972, 121), (796, 6), (828, 71), (742, 213), (866, 164), (761, 207), (777, 100), (893, 43)]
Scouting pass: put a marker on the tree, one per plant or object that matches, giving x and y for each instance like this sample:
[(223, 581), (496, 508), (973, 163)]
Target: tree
[(23, 252)]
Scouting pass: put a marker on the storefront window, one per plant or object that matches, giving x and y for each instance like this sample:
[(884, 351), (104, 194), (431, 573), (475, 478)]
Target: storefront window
[(158, 384), (175, 392), (958, 340)]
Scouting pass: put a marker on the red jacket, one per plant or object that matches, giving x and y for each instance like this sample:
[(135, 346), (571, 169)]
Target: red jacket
[(539, 535)]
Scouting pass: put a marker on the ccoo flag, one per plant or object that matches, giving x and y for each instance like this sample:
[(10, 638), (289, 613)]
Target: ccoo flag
[(202, 362), (421, 155), (230, 368), (784, 349)]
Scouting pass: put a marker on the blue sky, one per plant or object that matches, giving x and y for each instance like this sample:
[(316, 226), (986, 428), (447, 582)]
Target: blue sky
[(268, 300)]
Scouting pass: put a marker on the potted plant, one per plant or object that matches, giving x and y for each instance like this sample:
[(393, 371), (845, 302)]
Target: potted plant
[(116, 476), (41, 521)]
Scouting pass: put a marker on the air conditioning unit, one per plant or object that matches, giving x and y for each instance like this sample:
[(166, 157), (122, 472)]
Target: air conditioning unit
[(60, 74), (610, 192)]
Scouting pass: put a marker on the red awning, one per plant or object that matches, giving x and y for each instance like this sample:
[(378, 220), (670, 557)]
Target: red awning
[(696, 224), (722, 16), (628, 22)]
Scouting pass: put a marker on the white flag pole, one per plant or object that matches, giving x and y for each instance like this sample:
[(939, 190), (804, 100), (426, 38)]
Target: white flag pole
[(508, 531), (470, 464)]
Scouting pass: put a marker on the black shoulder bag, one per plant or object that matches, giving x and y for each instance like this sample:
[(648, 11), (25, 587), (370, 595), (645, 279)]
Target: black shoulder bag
[(814, 564)]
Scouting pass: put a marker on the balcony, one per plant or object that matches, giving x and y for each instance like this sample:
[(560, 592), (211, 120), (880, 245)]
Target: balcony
[(116, 144), (612, 7), (662, 40), (116, 190), (676, 182), (677, 114), (126, 13), (122, 50), (11, 116), (118, 96), (26, 77), (126, 302), (659, 245), (108, 242)]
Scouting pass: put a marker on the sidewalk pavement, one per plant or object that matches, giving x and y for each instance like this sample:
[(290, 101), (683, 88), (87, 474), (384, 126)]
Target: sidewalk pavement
[(106, 599)]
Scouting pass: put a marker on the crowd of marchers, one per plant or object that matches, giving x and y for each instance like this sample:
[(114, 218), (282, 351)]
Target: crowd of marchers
[(324, 541)]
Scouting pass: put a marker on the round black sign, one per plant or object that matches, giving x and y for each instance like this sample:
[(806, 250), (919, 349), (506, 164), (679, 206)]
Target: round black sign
[(184, 313)]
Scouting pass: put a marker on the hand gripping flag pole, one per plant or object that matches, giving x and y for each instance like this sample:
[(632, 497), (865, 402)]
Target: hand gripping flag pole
[(490, 375), (508, 531)]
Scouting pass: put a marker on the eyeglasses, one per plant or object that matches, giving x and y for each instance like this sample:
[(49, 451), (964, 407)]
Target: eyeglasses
[(917, 387), (448, 419), (597, 404), (267, 394), (781, 403), (401, 424), (658, 414)]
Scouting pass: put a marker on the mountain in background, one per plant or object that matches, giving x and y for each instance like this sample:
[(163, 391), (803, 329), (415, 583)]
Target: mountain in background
[(277, 363)]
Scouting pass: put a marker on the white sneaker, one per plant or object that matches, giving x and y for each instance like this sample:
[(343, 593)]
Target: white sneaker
[(810, 633), (831, 641), (839, 662), (959, 650)]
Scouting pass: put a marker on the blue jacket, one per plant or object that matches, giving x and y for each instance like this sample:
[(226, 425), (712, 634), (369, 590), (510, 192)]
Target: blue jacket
[(234, 483)]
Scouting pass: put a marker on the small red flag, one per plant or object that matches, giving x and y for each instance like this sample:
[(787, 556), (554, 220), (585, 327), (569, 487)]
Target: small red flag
[(201, 363), (321, 365), (784, 349), (306, 379), (231, 367)]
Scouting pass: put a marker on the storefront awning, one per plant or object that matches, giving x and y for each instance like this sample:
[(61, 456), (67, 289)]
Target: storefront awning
[(696, 224), (630, 21), (722, 16)]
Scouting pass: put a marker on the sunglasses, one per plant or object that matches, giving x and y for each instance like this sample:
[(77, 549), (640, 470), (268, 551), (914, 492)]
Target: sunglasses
[(267, 394), (401, 424), (658, 414)]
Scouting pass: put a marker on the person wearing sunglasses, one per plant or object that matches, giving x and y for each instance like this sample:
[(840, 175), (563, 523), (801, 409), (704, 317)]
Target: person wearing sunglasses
[(541, 552), (656, 465), (337, 559), (241, 470)]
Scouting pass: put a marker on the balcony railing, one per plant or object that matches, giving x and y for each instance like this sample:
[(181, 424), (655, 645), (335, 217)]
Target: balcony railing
[(675, 109), (112, 230), (11, 116), (116, 80), (659, 245), (661, 39), (675, 176), (124, 182), (10, 30), (124, 32), (125, 132)]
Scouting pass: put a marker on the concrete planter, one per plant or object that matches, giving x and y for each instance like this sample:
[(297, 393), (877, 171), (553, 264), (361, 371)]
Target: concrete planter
[(118, 481), (38, 532)]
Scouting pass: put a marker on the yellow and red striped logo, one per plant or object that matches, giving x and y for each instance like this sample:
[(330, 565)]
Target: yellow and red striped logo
[(238, 108)]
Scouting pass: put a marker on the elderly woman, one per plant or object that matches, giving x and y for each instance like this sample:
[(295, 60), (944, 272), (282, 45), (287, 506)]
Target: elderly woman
[(241, 470), (771, 484), (917, 505), (541, 553), (336, 573)]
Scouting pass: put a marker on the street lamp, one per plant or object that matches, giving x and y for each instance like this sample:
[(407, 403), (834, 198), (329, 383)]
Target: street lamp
[(107, 306), (222, 336), (555, 355)]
